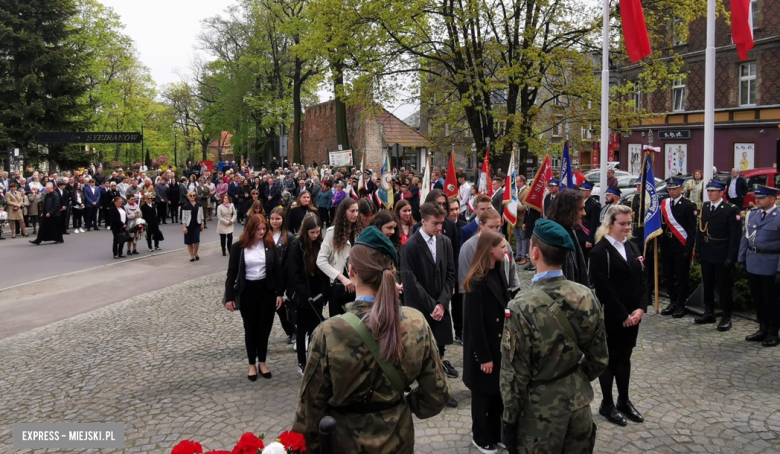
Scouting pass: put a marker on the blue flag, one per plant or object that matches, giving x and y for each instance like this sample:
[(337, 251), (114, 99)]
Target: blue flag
[(649, 201), (567, 176), (385, 190)]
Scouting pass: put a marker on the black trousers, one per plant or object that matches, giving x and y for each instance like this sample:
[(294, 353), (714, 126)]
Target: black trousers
[(162, 212), (324, 216), (713, 275), (149, 241), (765, 293), (457, 313), (677, 271), (78, 218), (618, 371), (90, 216), (64, 220), (307, 321), (258, 304), (486, 410), (174, 212), (117, 246), (288, 327), (226, 239)]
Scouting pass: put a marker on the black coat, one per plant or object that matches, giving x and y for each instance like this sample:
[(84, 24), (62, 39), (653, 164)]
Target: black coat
[(546, 203), (301, 286), (236, 273), (483, 325), (295, 217), (115, 220), (590, 221), (65, 198), (52, 204), (685, 213), (620, 286), (149, 213), (718, 233), (742, 190), (451, 230), (427, 284)]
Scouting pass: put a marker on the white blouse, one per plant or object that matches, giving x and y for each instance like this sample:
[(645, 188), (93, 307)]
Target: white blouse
[(254, 260), (122, 215)]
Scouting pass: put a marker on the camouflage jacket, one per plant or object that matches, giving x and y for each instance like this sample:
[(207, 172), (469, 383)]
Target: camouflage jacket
[(341, 371), (541, 369)]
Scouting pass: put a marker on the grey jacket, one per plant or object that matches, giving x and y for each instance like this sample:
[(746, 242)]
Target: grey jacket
[(466, 256)]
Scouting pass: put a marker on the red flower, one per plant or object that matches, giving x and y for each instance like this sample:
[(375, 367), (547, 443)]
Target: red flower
[(219, 452), (187, 447), (293, 440), (249, 444)]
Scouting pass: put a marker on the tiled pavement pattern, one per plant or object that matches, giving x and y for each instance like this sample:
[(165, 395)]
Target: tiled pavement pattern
[(170, 366)]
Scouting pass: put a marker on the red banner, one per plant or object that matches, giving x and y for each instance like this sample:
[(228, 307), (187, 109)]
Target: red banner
[(535, 197), (451, 183)]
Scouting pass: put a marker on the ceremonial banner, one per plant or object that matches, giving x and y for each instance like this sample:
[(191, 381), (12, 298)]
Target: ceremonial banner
[(361, 182), (649, 201), (567, 177), (385, 191), (451, 183), (426, 181), (535, 197), (484, 177), (510, 198)]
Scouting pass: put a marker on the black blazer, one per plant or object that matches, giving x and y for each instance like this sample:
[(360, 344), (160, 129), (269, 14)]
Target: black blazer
[(483, 325), (52, 204), (236, 273), (590, 221), (301, 286), (115, 220), (620, 285), (742, 187), (427, 284), (451, 231), (722, 230)]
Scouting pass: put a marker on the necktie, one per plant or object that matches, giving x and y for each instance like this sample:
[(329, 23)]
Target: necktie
[(712, 208), (432, 247), (763, 215)]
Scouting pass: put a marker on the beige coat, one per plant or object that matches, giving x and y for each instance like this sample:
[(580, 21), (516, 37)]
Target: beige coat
[(35, 200), (15, 205), (332, 262), (225, 216)]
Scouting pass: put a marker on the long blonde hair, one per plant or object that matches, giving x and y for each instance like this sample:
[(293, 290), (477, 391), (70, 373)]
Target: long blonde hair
[(609, 221)]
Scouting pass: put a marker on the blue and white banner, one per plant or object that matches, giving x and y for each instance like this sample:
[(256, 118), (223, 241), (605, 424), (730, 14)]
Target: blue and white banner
[(649, 201), (567, 176)]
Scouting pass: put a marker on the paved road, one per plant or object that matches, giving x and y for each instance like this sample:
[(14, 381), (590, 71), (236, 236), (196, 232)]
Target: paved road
[(170, 365)]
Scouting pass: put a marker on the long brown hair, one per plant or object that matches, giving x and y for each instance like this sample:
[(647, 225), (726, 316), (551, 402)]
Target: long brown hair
[(481, 265), (342, 229), (256, 208), (377, 270), (310, 248), (310, 206), (247, 238), (279, 211)]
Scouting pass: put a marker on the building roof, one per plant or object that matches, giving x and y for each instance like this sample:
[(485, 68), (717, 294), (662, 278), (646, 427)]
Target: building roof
[(226, 138), (396, 131)]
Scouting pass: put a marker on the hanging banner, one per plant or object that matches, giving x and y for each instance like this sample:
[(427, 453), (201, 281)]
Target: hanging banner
[(340, 158)]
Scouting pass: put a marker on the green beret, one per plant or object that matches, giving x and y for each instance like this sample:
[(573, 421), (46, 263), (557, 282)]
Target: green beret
[(375, 239), (553, 234)]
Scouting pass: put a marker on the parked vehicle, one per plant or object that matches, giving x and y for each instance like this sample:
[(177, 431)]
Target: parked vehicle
[(594, 175), (627, 185), (766, 176)]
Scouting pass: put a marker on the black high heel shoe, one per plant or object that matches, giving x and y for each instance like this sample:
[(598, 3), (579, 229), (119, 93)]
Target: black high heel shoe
[(252, 377)]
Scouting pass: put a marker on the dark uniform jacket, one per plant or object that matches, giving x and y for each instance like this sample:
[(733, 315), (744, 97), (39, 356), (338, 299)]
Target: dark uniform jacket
[(718, 232), (590, 221), (684, 212)]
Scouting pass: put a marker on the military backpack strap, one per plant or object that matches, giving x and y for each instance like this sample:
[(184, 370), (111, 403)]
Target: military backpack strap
[(556, 310), (390, 371)]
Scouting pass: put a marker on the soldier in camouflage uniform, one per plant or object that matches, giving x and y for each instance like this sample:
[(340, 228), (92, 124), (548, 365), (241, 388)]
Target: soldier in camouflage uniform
[(343, 379), (545, 382)]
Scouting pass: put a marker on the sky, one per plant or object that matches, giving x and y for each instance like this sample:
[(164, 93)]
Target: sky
[(165, 33)]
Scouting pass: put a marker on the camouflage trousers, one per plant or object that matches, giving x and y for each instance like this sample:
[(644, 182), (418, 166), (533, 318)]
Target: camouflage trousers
[(573, 433)]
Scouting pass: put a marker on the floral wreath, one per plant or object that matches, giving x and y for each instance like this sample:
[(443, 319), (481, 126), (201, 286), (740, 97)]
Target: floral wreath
[(287, 443)]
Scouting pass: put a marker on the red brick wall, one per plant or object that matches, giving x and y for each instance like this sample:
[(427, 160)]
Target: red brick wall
[(769, 77)]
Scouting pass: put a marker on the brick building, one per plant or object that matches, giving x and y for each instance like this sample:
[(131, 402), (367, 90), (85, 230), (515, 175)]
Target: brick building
[(747, 102), (370, 134)]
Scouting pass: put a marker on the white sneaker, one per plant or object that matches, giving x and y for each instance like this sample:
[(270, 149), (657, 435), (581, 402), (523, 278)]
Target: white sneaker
[(487, 449), (81, 230), (75, 230)]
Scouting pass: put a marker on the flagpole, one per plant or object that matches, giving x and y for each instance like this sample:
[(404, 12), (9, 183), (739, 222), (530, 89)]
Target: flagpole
[(655, 265), (605, 104), (709, 94)]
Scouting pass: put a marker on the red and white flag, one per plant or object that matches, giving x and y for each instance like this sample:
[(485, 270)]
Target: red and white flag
[(635, 29), (742, 26), (485, 186)]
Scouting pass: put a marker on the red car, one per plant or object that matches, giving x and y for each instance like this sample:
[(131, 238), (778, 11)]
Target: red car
[(766, 176)]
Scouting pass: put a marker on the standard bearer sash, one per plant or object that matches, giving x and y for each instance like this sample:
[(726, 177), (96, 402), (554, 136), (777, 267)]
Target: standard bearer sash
[(671, 222)]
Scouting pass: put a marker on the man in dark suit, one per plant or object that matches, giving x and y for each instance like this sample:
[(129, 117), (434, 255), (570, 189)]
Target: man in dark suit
[(679, 233), (428, 276), (552, 191), (717, 247), (586, 234), (481, 203), (497, 199), (736, 188), (450, 228), (272, 195), (65, 198)]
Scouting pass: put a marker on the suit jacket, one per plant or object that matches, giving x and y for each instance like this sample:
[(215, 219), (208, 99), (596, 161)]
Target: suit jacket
[(718, 232), (498, 201), (236, 274), (115, 220), (483, 325), (92, 195), (65, 197), (468, 231), (548, 200), (52, 204), (761, 235), (428, 283), (742, 187), (451, 231), (620, 284), (685, 213)]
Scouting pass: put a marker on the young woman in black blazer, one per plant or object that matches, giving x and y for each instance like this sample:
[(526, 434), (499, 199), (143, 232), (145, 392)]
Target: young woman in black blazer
[(254, 287), (617, 274), (486, 299), (117, 219), (282, 240)]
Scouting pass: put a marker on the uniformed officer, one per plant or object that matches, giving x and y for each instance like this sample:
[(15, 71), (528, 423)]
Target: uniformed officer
[(678, 219), (586, 234), (612, 198), (553, 188), (717, 246), (554, 344), (759, 255)]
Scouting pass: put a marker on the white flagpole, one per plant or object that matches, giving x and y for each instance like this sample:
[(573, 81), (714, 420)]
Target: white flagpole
[(605, 105), (709, 94)]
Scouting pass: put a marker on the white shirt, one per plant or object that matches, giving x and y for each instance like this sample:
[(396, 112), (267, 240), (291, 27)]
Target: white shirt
[(122, 215), (733, 187), (254, 260), (676, 201), (714, 205), (431, 242), (277, 235), (621, 247), (464, 195)]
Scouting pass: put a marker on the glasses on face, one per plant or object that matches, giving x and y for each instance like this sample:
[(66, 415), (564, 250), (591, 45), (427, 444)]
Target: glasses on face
[(190, 196)]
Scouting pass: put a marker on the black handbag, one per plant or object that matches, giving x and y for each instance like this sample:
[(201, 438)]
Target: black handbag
[(339, 294), (291, 312), (123, 237)]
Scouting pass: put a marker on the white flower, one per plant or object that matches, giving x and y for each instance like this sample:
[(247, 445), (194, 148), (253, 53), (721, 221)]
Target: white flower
[(275, 448)]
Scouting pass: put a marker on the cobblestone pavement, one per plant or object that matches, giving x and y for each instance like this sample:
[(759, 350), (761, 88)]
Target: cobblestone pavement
[(170, 366)]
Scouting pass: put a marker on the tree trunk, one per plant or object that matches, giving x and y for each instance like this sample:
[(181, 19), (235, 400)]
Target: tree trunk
[(341, 109), (297, 111)]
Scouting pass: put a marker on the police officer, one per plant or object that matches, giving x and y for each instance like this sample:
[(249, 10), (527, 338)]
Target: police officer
[(759, 255), (612, 197), (678, 219), (717, 246), (586, 234), (554, 344)]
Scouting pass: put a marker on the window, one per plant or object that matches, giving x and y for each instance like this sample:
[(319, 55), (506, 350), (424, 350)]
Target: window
[(637, 96), (754, 14), (409, 158), (758, 179), (557, 129), (469, 161), (678, 93), (777, 180), (747, 84), (587, 133), (677, 31)]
